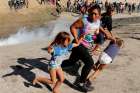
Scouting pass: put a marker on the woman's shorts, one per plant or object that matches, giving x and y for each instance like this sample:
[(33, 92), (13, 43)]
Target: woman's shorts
[(105, 58)]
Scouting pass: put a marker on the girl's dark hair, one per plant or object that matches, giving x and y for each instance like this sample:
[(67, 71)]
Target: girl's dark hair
[(109, 9), (61, 37), (96, 6), (119, 42)]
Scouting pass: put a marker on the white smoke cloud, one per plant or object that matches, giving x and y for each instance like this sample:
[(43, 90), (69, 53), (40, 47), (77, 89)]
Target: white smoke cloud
[(24, 35)]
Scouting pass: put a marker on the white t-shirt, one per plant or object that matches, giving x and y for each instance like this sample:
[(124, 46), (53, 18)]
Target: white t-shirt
[(89, 29)]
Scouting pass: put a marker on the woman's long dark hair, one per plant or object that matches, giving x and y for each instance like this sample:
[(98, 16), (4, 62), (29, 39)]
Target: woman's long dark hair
[(96, 6)]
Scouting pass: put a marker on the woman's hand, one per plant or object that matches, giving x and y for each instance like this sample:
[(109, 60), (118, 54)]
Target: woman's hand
[(81, 38), (78, 41)]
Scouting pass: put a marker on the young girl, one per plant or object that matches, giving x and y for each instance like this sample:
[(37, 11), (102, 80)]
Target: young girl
[(107, 56), (58, 48)]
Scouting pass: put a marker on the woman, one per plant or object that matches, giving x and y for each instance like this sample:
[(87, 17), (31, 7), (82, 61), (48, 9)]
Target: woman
[(87, 26)]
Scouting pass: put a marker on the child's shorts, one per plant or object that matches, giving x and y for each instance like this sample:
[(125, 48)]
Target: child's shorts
[(53, 66), (105, 58), (56, 63)]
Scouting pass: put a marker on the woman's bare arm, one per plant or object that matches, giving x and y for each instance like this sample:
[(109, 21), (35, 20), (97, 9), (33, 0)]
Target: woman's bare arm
[(74, 28)]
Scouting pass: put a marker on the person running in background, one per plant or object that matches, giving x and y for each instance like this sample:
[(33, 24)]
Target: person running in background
[(53, 2), (129, 9), (138, 8), (58, 7), (84, 7), (58, 49), (133, 7), (68, 5), (26, 3), (42, 1), (107, 57), (106, 4)]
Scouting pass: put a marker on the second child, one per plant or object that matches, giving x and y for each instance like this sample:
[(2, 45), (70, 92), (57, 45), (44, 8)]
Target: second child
[(107, 56)]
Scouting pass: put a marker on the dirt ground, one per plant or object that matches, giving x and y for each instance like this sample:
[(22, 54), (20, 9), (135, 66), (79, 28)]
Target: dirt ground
[(19, 64)]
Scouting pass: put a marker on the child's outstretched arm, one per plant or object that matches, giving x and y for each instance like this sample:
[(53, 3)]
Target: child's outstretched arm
[(49, 48)]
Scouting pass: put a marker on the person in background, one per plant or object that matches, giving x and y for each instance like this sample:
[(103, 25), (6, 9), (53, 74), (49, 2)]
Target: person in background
[(68, 5)]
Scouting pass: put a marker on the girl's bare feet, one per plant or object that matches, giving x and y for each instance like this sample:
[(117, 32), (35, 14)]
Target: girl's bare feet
[(56, 91)]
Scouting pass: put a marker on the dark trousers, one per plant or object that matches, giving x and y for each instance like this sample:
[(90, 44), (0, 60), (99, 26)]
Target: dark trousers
[(80, 53)]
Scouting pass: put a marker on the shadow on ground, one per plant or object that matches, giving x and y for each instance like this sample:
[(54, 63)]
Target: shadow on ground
[(25, 67)]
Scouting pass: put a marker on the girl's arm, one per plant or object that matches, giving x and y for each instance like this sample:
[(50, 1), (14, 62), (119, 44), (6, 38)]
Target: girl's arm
[(50, 48), (107, 33)]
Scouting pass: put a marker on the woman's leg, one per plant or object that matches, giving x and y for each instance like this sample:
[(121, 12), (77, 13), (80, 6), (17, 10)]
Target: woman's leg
[(59, 81), (74, 57), (96, 73), (88, 63)]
